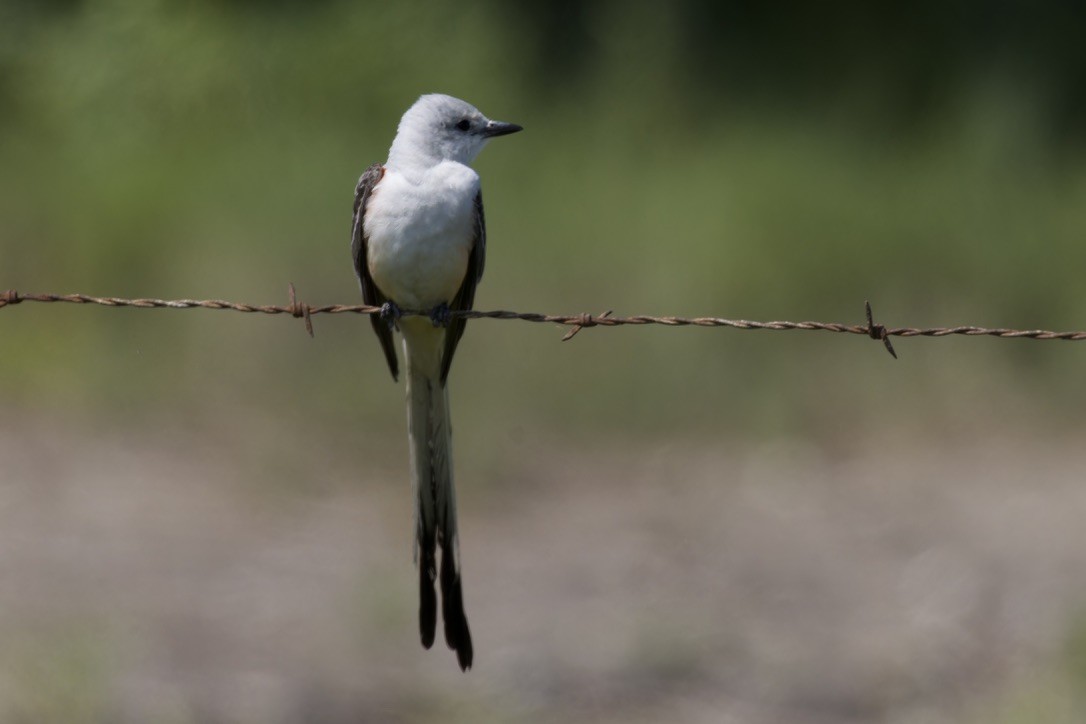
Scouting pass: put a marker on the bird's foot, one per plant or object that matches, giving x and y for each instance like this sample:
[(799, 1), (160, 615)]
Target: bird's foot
[(391, 314), (440, 315)]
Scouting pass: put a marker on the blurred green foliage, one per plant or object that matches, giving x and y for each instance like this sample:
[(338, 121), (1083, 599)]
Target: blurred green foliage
[(687, 158)]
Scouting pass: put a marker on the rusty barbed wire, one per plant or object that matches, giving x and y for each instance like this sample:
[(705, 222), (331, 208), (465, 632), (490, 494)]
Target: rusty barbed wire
[(576, 322)]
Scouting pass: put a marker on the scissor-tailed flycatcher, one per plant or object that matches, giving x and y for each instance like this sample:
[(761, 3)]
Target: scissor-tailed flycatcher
[(419, 243)]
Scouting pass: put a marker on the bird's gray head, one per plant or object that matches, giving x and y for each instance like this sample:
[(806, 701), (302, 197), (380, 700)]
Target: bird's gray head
[(442, 128)]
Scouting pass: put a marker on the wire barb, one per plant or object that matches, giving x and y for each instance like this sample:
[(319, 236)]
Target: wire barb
[(10, 296), (299, 310), (877, 331), (587, 320)]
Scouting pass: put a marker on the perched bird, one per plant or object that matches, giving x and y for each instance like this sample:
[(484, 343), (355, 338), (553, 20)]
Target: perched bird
[(419, 244)]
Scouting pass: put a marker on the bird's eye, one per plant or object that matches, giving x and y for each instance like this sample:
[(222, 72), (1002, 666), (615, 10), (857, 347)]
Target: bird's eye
[(464, 125)]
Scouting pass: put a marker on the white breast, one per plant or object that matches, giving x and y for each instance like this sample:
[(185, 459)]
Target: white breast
[(420, 230)]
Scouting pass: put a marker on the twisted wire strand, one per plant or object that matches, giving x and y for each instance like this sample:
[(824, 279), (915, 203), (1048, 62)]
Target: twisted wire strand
[(575, 321)]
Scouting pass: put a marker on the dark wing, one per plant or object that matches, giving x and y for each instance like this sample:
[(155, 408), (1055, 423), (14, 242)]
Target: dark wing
[(370, 293), (465, 298)]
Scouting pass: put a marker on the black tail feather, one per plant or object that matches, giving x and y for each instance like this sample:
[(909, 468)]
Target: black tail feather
[(457, 635), (427, 597)]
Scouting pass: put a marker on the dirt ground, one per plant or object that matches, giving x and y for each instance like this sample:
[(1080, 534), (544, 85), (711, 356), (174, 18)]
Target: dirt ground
[(147, 578)]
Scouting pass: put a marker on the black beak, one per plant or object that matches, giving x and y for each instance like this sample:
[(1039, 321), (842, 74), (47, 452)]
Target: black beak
[(497, 128)]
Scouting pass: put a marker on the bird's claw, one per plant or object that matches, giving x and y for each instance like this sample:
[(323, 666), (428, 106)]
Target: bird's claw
[(391, 314), (440, 315)]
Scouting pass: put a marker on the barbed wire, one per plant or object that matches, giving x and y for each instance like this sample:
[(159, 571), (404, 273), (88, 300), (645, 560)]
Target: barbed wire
[(576, 322)]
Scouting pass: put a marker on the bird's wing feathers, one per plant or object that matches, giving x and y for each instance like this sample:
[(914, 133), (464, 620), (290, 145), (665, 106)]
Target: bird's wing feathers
[(370, 293), (465, 298)]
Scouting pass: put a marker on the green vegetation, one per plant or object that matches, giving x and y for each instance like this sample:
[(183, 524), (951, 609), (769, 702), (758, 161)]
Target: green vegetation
[(207, 150)]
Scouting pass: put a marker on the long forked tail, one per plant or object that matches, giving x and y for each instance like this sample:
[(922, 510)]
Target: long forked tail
[(430, 440)]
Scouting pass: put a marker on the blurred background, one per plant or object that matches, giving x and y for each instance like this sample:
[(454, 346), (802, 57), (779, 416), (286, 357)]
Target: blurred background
[(205, 517)]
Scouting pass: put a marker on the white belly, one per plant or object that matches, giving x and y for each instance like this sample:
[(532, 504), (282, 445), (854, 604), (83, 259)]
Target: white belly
[(420, 235)]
